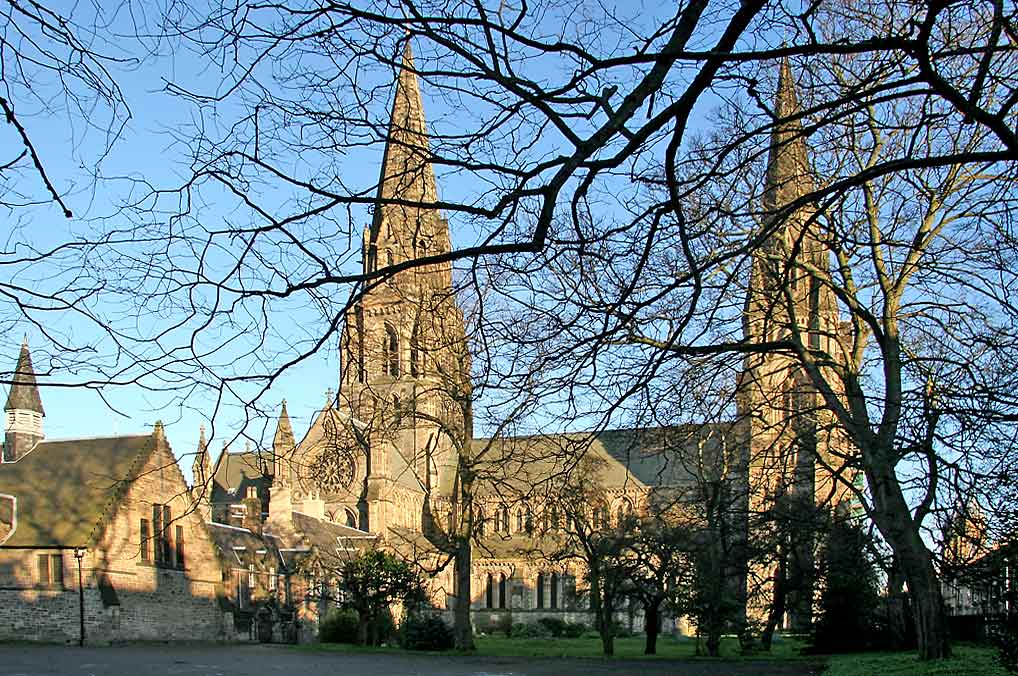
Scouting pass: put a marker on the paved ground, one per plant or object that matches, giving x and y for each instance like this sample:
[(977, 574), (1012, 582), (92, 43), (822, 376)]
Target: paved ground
[(258, 660)]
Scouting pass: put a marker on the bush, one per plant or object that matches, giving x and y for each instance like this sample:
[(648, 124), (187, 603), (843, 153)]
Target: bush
[(339, 626), (574, 630), (537, 630), (425, 632), (554, 625)]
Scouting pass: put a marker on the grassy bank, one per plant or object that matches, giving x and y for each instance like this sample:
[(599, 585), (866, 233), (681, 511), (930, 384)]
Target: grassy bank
[(967, 661)]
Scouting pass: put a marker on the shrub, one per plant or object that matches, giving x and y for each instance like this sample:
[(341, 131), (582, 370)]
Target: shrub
[(425, 632), (505, 624), (339, 626), (574, 630), (537, 630), (554, 625)]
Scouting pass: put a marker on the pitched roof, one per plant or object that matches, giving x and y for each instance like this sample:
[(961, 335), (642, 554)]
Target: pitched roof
[(233, 469), (64, 488), (646, 457), (24, 393), (240, 547)]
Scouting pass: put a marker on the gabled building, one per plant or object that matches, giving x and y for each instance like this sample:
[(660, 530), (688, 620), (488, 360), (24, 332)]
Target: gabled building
[(98, 538)]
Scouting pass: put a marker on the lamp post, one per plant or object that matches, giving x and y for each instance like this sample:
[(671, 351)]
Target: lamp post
[(79, 554)]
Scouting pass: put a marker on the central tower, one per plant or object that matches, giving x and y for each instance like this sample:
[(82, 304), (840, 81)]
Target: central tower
[(404, 363)]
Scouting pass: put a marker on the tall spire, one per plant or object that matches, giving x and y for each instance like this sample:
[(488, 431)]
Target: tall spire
[(788, 173), (24, 393), (406, 172)]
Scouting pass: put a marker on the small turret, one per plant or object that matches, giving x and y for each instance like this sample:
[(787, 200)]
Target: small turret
[(24, 410), (283, 444)]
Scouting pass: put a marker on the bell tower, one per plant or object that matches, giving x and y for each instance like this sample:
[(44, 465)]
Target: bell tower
[(404, 365), (791, 317)]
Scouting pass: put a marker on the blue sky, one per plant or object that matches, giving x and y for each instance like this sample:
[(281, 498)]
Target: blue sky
[(70, 143)]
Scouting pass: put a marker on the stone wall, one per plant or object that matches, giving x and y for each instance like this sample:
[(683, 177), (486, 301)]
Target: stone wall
[(125, 598)]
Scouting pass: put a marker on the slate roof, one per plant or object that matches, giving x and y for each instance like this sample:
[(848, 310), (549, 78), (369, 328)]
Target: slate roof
[(652, 457), (64, 488), (240, 546), (24, 393), (234, 470)]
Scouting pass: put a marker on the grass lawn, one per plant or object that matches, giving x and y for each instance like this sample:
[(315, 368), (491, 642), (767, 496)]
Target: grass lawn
[(668, 647), (967, 661)]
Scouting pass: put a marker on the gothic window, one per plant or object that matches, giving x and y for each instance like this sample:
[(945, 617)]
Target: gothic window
[(489, 592), (362, 374), (814, 313), (397, 409), (389, 259), (519, 520), (529, 525), (501, 590), (480, 522), (178, 543), (146, 542), (555, 524), (351, 519), (415, 366), (623, 512), (390, 352), (540, 590), (554, 590)]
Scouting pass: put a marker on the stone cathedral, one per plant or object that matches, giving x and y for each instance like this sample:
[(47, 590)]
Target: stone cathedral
[(381, 458)]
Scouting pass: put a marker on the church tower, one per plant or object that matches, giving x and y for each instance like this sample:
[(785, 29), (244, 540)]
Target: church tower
[(24, 412), (404, 361), (789, 433)]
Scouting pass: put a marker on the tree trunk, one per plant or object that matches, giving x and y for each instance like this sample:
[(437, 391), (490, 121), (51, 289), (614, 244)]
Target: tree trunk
[(362, 627), (652, 625), (894, 519), (463, 634), (777, 610)]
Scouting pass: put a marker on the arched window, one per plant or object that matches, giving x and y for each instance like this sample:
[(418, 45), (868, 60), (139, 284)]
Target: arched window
[(389, 259), (540, 590), (505, 520), (554, 590), (555, 524), (390, 352), (489, 592), (501, 590), (415, 356), (480, 524), (623, 512), (351, 519), (519, 520), (529, 525), (814, 313)]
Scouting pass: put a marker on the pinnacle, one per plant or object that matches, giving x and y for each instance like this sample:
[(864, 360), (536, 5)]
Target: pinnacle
[(24, 392)]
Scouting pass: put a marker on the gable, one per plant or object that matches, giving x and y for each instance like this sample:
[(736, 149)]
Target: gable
[(64, 488)]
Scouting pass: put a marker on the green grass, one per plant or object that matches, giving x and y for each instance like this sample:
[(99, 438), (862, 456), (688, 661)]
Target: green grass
[(625, 648), (967, 661)]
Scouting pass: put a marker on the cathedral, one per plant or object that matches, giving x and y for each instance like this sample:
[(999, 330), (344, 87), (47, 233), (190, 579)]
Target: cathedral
[(387, 455)]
